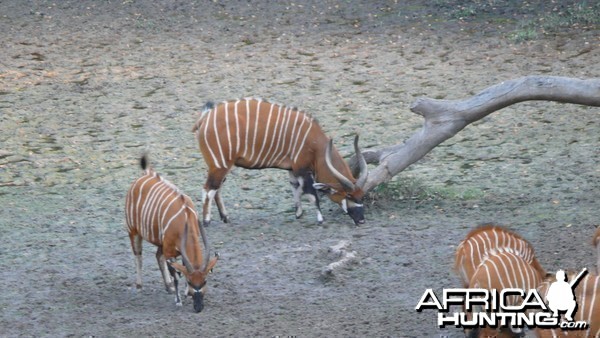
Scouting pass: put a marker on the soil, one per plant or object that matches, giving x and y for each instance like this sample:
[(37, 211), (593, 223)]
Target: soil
[(87, 86)]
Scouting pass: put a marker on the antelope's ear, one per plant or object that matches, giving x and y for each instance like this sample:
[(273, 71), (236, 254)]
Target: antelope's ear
[(211, 263), (179, 267), (326, 188)]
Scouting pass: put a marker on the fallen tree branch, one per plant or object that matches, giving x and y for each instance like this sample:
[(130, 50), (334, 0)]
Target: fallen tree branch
[(445, 118), (347, 257)]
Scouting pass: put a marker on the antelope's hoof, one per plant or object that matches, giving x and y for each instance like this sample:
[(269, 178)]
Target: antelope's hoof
[(225, 219), (299, 214), (205, 223)]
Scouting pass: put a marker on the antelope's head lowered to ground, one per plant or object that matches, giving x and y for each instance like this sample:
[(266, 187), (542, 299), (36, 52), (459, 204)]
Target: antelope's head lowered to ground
[(195, 274), (341, 186)]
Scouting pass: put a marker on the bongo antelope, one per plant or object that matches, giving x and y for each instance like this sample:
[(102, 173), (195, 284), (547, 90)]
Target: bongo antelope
[(481, 260), (256, 134), (502, 268), (596, 244), (478, 244), (157, 212)]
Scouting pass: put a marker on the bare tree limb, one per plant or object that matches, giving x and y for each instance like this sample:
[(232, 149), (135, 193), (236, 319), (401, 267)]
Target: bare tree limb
[(346, 257), (445, 118)]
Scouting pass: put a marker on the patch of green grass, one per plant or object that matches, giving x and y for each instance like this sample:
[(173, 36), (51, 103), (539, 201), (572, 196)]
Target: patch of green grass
[(403, 189), (359, 82), (578, 15), (247, 41), (417, 191), (581, 14), (462, 12), (524, 34), (454, 193)]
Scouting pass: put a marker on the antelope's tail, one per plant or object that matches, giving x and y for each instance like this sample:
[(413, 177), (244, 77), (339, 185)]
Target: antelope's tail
[(144, 161), (207, 107)]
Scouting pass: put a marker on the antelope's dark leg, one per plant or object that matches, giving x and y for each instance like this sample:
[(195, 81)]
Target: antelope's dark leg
[(162, 264), (221, 207), (176, 284), (309, 190), (297, 183), (215, 179)]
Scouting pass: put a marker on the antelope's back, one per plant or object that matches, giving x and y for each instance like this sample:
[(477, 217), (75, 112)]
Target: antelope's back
[(503, 269), (152, 204), (252, 133), (596, 243), (478, 243)]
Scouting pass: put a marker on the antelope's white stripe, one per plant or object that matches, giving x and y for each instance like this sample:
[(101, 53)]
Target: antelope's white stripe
[(582, 302), (299, 151), (497, 273), (218, 139), (166, 212), (591, 305), (256, 119), (296, 137), (192, 211), (264, 141), (523, 274), (275, 155), (267, 159), (293, 132), (284, 132), (148, 207), (285, 149), (212, 154), (228, 129), (166, 227), (272, 144), (237, 127), (247, 127), (137, 205), (130, 219)]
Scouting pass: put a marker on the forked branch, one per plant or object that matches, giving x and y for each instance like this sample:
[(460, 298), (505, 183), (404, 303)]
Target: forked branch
[(445, 118)]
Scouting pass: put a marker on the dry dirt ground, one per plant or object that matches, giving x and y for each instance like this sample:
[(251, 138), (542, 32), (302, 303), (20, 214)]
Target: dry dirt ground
[(87, 86)]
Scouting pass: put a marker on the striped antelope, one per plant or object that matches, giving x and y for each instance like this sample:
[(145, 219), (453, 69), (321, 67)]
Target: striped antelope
[(478, 243), (587, 295), (156, 211), (596, 244), (256, 134), (502, 268)]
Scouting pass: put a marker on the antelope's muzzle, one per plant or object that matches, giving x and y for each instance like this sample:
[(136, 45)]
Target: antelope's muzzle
[(198, 298), (357, 214)]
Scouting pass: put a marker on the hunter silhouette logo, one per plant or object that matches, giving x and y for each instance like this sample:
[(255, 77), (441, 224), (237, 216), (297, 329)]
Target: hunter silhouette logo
[(560, 295), (490, 308)]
